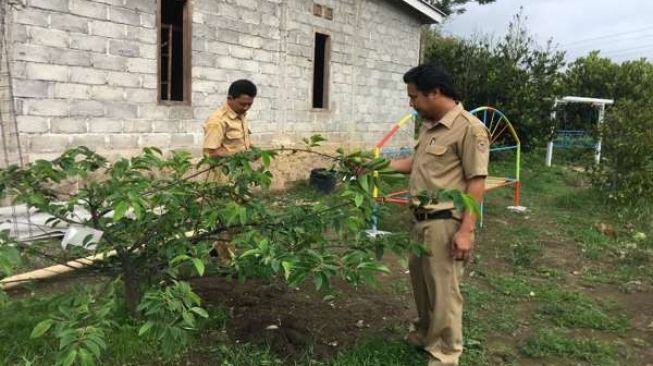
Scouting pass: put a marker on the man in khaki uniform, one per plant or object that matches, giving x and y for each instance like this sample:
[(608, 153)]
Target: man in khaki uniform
[(226, 131), (452, 153)]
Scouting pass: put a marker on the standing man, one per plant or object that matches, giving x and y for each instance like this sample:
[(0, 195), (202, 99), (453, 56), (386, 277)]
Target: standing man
[(226, 131), (452, 153)]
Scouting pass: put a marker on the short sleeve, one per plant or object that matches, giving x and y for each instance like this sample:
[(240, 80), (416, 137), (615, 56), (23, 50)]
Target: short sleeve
[(476, 151), (213, 135)]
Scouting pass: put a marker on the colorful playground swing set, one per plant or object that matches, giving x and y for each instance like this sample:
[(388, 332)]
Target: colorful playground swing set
[(503, 137)]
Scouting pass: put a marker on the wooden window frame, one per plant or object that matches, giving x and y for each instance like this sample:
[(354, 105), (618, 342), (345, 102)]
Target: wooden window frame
[(187, 59)]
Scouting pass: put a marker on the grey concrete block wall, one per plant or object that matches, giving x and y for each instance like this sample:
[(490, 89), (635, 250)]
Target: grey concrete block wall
[(84, 71)]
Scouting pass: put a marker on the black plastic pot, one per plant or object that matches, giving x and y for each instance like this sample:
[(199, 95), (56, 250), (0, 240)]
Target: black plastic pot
[(324, 180)]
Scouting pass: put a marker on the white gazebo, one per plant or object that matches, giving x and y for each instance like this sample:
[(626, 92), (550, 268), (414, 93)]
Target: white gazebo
[(596, 103)]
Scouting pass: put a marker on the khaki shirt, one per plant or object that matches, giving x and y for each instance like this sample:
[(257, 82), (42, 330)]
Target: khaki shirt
[(224, 128), (448, 153)]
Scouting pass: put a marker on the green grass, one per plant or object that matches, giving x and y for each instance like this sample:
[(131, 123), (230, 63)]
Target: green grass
[(570, 309), (594, 244), (524, 254), (18, 319), (511, 286), (552, 342), (379, 352)]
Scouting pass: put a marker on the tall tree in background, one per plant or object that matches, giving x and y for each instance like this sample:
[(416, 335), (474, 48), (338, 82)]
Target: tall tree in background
[(522, 78), (627, 166), (513, 73), (592, 76)]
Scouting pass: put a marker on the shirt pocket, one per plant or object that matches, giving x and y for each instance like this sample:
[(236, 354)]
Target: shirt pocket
[(234, 134), (439, 157), (436, 150)]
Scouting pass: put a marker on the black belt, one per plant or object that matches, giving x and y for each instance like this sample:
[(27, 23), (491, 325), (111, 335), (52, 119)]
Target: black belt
[(435, 215)]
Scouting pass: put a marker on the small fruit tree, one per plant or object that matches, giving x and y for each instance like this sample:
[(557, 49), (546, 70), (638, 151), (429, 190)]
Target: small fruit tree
[(159, 220)]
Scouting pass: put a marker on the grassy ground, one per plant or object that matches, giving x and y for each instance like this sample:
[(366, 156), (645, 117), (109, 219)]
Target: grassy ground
[(548, 287)]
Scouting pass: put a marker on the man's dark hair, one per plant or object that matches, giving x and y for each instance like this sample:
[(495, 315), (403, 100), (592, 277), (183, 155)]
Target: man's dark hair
[(429, 77), (240, 87)]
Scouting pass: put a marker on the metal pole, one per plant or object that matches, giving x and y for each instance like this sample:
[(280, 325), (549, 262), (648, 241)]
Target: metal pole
[(597, 154), (549, 145), (517, 175)]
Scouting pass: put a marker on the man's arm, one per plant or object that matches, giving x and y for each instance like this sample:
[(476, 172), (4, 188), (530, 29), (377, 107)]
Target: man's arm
[(219, 152), (402, 165), (214, 132), (463, 240)]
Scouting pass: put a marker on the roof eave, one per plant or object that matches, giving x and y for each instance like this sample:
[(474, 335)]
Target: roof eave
[(432, 14)]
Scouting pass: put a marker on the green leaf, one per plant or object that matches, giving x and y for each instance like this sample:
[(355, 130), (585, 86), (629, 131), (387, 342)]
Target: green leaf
[(189, 319), (138, 209), (287, 268), (199, 266), (179, 258), (353, 223), (85, 358), (70, 358), (358, 200), (251, 252), (364, 182), (97, 339), (275, 264), (316, 139), (9, 258), (119, 210), (145, 327), (194, 298), (199, 311), (265, 157), (66, 338), (41, 328), (471, 205), (321, 280), (92, 346), (371, 266)]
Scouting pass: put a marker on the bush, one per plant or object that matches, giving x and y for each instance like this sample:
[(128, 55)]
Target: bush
[(626, 170)]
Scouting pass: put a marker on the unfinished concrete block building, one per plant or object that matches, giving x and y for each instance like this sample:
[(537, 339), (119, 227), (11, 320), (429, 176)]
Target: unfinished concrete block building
[(118, 75)]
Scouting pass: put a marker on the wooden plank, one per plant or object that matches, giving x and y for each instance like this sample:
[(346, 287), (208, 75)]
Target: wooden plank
[(169, 71), (52, 271), (327, 72), (188, 51), (158, 51)]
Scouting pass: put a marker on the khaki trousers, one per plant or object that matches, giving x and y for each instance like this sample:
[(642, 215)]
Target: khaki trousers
[(436, 278)]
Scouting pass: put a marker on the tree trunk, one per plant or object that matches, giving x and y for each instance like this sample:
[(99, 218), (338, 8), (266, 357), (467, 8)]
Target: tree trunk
[(132, 286)]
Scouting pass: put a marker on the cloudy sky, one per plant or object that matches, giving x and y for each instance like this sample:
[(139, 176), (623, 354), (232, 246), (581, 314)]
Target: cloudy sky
[(621, 29)]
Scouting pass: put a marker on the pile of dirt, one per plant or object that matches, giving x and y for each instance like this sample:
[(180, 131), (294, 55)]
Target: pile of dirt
[(293, 321)]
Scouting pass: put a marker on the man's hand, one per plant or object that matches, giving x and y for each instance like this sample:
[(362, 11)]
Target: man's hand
[(358, 170), (402, 165), (462, 245)]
